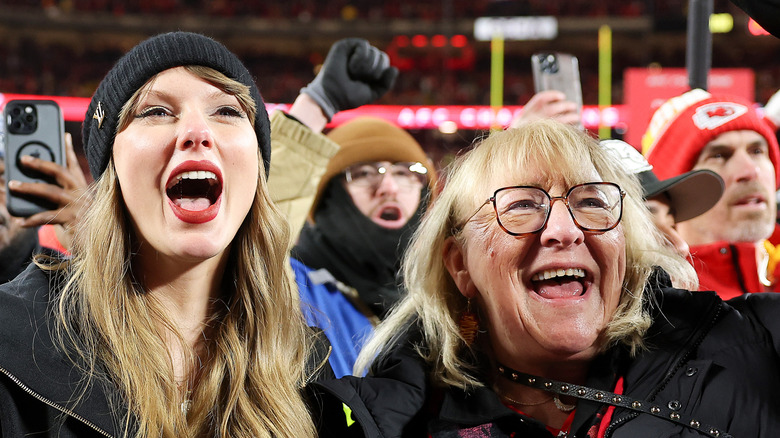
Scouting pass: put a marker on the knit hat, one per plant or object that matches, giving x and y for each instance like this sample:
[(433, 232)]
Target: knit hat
[(145, 60), (684, 124), (370, 139), (690, 194)]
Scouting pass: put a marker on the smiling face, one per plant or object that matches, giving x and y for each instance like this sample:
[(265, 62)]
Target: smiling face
[(547, 296), (747, 210), (187, 165)]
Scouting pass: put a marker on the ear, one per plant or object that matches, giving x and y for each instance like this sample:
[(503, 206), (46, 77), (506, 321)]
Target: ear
[(455, 261)]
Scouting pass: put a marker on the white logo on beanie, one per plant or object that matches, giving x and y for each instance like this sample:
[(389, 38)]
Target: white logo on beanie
[(717, 114)]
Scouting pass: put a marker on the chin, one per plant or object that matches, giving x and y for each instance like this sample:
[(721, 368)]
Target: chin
[(200, 249), (574, 345)]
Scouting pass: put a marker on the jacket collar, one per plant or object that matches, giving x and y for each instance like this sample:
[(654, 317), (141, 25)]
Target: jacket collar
[(40, 367)]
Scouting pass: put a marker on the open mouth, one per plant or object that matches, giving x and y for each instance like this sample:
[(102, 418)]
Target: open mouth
[(751, 200), (194, 190), (559, 283), (390, 213)]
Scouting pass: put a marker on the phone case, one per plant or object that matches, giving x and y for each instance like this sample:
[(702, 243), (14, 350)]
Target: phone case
[(32, 127), (558, 71)]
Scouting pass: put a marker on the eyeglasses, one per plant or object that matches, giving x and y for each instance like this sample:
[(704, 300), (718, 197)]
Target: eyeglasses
[(406, 174), (523, 210)]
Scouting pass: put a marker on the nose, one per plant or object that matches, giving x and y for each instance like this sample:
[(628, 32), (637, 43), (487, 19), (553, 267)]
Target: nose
[(743, 166), (388, 186), (195, 131), (560, 228)]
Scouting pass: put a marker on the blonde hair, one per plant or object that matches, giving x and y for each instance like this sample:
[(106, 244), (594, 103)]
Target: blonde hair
[(433, 301), (250, 384)]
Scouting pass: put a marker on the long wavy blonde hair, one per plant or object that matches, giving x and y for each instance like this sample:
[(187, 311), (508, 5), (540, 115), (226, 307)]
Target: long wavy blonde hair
[(434, 301), (250, 384)]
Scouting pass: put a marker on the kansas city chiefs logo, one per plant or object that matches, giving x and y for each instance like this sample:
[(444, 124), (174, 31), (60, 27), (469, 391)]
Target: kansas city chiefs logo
[(717, 114)]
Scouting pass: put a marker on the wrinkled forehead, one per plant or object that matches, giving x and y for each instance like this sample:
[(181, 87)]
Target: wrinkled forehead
[(554, 176)]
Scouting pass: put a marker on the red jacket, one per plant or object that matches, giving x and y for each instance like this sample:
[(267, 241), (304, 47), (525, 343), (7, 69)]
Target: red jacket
[(730, 269)]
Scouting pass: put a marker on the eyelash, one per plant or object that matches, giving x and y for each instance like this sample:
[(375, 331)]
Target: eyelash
[(227, 111), (149, 112), (231, 111)]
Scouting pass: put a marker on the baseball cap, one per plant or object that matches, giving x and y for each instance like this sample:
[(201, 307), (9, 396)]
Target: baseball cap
[(690, 194)]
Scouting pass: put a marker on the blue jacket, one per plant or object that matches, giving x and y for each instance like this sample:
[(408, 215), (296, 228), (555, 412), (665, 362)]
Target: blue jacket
[(326, 307)]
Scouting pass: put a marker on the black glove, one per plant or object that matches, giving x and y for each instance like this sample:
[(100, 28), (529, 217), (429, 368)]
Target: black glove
[(354, 73)]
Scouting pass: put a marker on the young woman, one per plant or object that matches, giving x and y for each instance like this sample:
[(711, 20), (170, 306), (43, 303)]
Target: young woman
[(175, 316)]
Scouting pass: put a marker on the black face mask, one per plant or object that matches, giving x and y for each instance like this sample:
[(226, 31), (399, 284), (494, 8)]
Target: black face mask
[(354, 249)]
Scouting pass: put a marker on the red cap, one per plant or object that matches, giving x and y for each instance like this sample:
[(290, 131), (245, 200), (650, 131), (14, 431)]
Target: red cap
[(681, 127)]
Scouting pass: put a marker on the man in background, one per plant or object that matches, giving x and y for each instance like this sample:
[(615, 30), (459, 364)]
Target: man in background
[(729, 243)]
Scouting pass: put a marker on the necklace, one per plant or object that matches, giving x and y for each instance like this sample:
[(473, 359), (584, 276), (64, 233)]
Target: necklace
[(515, 402), (563, 407), (513, 376)]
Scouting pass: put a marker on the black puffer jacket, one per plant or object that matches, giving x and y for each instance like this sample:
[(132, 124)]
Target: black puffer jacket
[(713, 362), (40, 388)]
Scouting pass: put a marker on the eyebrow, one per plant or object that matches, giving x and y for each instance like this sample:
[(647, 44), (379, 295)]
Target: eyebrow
[(165, 94)]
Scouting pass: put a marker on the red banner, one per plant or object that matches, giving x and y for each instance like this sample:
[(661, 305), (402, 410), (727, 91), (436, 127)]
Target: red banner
[(645, 89), (444, 117)]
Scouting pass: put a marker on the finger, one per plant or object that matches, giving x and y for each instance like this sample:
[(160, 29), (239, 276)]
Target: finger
[(546, 96), (50, 168), (360, 60), (60, 216), (369, 65), (49, 192), (72, 161)]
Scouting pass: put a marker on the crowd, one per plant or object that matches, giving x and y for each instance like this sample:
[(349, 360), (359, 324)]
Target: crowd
[(363, 9), (226, 271), (30, 65)]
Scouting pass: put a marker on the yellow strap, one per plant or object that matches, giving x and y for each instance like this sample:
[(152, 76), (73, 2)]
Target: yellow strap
[(774, 259), (348, 414)]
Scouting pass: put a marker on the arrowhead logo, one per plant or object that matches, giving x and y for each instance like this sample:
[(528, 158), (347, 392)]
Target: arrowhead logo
[(717, 114)]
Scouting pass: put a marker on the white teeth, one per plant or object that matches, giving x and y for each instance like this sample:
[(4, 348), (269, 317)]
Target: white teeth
[(196, 174), (552, 273)]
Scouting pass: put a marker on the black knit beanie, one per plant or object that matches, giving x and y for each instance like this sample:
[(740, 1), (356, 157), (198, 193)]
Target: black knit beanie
[(145, 60)]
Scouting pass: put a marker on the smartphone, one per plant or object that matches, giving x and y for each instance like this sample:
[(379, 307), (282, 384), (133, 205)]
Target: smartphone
[(36, 128), (558, 71)]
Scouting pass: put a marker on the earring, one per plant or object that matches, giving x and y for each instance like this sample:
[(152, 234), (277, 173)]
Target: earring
[(468, 324)]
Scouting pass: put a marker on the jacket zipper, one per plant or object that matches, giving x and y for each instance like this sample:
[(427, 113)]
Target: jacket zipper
[(669, 374), (52, 404)]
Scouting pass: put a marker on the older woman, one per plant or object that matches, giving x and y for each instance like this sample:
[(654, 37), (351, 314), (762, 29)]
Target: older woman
[(176, 316), (540, 304)]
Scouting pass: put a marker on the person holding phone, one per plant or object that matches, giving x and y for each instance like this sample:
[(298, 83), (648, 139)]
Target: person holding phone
[(176, 314), (49, 231)]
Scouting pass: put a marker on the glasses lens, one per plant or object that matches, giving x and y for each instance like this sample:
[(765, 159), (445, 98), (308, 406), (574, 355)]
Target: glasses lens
[(405, 175), (364, 174), (521, 209), (596, 207)]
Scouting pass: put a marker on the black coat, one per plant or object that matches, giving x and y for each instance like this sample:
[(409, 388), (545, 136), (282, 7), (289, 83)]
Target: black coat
[(40, 388), (715, 362)]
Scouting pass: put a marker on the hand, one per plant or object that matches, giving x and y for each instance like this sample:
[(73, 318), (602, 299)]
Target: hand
[(68, 193), (549, 104), (772, 109), (354, 73)]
